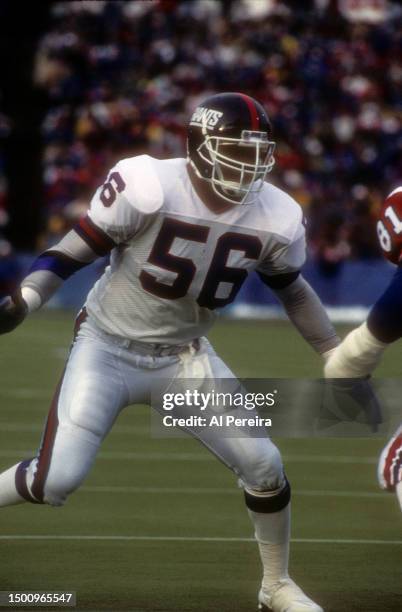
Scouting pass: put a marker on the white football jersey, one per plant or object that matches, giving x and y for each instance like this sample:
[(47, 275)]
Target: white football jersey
[(175, 261)]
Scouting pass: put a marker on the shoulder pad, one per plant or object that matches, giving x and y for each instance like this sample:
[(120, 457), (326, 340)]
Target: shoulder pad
[(286, 215), (143, 187)]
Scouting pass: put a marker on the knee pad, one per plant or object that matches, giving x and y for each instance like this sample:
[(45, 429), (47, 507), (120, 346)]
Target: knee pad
[(267, 502), (55, 494), (264, 471), (61, 481), (66, 472), (52, 475)]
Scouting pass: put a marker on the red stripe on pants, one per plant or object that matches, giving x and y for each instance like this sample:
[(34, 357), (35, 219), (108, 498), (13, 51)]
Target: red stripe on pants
[(46, 450), (81, 318)]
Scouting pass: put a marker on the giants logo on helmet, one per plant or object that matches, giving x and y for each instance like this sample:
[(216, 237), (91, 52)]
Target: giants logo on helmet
[(205, 117)]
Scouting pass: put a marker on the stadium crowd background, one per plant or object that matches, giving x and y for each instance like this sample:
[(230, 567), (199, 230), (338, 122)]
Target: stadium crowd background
[(121, 78)]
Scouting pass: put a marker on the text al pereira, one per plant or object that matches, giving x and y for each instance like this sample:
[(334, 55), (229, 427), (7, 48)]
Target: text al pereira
[(223, 420)]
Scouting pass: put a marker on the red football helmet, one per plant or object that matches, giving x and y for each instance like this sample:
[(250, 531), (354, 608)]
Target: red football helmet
[(389, 226)]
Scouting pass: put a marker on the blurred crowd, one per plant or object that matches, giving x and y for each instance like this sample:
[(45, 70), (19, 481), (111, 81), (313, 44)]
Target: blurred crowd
[(121, 78)]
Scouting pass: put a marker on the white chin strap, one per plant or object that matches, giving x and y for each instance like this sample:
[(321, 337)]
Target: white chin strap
[(229, 191)]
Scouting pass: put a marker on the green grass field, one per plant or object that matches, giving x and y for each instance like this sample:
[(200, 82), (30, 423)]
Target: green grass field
[(160, 525)]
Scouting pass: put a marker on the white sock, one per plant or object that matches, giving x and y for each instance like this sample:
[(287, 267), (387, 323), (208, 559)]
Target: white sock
[(9, 495), (399, 493), (272, 532)]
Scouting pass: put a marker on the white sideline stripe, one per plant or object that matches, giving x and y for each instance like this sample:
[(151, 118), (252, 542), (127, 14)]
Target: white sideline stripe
[(224, 491), (39, 427), (139, 456), (191, 539)]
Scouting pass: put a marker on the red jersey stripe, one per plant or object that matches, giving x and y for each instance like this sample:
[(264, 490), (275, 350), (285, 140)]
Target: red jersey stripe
[(96, 238)]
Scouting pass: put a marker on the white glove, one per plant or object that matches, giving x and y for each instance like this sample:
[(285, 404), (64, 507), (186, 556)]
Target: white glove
[(357, 355)]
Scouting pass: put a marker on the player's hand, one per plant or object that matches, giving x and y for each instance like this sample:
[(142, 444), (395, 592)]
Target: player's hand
[(13, 311), (355, 395)]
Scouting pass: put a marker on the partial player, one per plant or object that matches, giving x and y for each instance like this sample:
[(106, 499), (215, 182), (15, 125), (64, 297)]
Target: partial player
[(361, 351), (183, 235)]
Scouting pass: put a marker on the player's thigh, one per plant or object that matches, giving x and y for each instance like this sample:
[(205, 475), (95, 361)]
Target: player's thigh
[(218, 368), (248, 452), (255, 460), (92, 390), (88, 399)]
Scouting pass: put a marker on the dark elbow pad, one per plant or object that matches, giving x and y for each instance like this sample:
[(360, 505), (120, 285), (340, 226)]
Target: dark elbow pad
[(280, 281)]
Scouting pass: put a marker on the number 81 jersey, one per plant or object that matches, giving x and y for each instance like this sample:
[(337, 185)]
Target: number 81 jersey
[(174, 261), (389, 226)]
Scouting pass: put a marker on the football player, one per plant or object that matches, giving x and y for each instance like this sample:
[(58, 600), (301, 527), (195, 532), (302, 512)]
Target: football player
[(183, 235), (361, 351)]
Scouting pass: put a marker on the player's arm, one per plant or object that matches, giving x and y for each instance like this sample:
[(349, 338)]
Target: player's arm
[(361, 351), (281, 273), (80, 247), (111, 220), (305, 310), (308, 315)]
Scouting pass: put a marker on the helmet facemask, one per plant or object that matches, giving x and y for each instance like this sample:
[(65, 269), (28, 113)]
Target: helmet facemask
[(239, 165)]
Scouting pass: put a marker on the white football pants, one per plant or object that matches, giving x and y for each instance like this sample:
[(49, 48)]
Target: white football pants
[(103, 376)]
